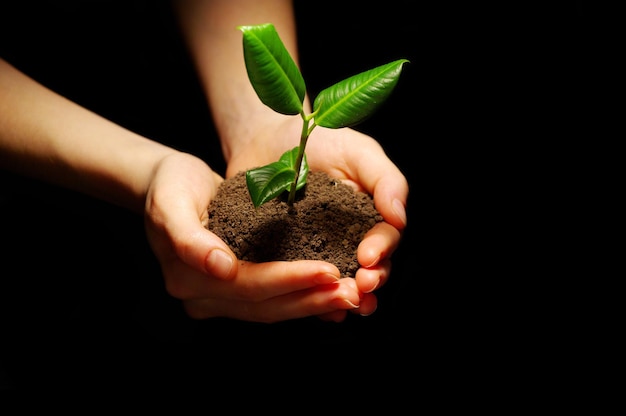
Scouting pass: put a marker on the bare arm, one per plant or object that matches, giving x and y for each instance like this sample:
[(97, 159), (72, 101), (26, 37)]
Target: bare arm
[(215, 43), (46, 136)]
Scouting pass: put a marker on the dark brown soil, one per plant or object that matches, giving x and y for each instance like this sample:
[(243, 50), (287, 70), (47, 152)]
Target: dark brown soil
[(326, 222)]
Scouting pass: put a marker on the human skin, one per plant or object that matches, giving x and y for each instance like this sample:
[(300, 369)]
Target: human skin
[(46, 136)]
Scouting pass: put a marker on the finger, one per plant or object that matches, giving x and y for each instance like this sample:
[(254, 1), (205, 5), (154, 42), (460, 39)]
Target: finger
[(320, 300), (378, 243), (387, 185), (254, 282), (391, 207), (196, 246), (367, 301), (390, 197), (378, 177), (178, 224), (367, 306), (368, 280)]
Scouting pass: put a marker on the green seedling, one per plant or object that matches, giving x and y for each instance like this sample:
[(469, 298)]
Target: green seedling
[(279, 84)]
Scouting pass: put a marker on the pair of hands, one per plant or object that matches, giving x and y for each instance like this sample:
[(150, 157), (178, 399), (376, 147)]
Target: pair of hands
[(200, 269)]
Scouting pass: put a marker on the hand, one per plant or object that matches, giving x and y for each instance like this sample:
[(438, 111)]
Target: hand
[(356, 159), (201, 270)]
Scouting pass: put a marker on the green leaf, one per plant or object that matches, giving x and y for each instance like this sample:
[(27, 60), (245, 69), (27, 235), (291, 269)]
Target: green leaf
[(354, 99), (269, 181), (290, 158), (274, 75)]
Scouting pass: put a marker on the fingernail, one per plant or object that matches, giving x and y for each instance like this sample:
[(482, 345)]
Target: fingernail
[(373, 287), (372, 263), (341, 303), (219, 263), (325, 278), (399, 209)]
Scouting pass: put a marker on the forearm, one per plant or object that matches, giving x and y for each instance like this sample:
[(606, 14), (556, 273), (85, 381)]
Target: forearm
[(46, 136), (210, 29)]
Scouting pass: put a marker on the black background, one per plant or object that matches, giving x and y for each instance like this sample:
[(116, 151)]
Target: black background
[(475, 121)]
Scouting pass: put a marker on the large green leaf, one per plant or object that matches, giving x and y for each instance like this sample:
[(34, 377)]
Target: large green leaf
[(274, 75), (269, 181), (354, 99)]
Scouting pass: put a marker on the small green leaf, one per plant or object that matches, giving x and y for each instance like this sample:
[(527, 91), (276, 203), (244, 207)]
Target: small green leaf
[(274, 75), (354, 99), (269, 181), (290, 158)]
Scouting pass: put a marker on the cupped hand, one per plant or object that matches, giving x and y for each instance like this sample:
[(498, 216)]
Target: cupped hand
[(202, 271), (358, 160)]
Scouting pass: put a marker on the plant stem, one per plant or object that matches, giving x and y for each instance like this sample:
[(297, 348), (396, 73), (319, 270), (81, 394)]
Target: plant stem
[(304, 136)]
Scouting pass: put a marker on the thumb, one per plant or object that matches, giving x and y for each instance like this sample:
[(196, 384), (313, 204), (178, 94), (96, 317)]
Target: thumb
[(184, 238), (206, 252)]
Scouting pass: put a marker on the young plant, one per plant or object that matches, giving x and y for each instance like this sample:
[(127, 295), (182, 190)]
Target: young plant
[(279, 84)]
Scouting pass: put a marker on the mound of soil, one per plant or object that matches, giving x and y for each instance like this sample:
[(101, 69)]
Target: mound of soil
[(327, 222)]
